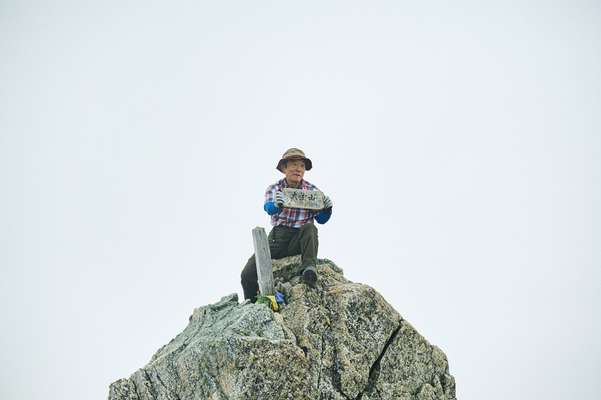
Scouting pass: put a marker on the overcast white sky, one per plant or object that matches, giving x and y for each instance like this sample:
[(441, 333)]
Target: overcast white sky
[(460, 142)]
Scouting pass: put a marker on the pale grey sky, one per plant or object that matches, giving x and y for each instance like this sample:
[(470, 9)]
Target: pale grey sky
[(137, 139)]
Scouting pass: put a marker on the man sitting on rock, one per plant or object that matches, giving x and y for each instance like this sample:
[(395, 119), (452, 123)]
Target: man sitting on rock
[(293, 229)]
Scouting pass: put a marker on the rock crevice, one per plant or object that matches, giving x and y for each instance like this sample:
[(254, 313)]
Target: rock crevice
[(374, 371)]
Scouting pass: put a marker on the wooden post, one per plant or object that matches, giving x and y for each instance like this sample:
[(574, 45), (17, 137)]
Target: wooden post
[(263, 259)]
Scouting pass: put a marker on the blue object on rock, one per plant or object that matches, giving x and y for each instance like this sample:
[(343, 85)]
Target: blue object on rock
[(279, 297)]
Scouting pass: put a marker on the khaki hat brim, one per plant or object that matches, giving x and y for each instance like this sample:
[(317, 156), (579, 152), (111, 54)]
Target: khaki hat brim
[(308, 163)]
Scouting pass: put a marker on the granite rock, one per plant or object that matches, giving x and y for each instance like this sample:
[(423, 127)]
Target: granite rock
[(339, 341)]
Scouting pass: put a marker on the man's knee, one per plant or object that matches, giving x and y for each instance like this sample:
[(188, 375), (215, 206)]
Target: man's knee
[(308, 229)]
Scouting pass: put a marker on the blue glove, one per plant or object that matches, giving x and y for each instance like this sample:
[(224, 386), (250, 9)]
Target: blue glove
[(323, 216), (271, 208)]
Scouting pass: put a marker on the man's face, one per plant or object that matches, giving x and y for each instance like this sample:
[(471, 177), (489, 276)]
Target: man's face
[(294, 171)]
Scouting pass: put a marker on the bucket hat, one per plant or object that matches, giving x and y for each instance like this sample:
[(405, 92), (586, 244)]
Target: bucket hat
[(294, 154)]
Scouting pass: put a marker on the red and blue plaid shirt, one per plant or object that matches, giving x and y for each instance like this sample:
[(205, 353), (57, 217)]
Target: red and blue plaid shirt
[(292, 217)]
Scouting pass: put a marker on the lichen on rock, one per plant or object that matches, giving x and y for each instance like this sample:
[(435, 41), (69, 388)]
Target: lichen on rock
[(339, 341)]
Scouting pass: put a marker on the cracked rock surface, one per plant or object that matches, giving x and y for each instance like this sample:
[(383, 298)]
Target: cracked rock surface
[(339, 341)]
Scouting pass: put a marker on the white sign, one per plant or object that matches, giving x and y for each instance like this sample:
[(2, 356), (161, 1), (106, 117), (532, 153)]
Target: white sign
[(298, 198)]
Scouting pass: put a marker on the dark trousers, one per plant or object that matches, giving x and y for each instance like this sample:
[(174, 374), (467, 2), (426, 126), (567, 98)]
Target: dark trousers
[(283, 242)]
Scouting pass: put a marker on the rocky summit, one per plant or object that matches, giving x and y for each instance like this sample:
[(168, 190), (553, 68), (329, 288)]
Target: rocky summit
[(340, 341)]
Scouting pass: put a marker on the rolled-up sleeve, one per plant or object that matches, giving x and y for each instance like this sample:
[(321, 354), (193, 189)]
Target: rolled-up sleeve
[(270, 194)]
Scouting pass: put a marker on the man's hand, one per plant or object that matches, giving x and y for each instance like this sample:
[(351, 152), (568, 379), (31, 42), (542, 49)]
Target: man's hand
[(327, 202), (280, 198)]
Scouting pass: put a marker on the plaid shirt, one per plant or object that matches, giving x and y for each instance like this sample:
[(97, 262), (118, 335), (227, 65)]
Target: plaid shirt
[(292, 217)]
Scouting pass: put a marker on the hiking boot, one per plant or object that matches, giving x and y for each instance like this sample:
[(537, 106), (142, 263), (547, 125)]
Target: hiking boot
[(310, 276)]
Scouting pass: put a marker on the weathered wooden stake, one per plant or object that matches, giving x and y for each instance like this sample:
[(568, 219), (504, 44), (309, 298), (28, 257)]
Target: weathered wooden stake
[(263, 259)]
